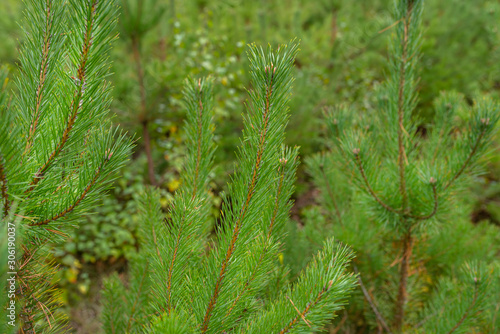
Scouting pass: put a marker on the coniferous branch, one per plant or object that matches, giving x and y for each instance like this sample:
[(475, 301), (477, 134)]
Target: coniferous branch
[(79, 199), (248, 242), (432, 181), (58, 150), (370, 301), (474, 150), (47, 45), (138, 297), (81, 84), (190, 209), (284, 188), (359, 164), (469, 309), (320, 290), (457, 304), (39, 312), (271, 76), (161, 265), (113, 314)]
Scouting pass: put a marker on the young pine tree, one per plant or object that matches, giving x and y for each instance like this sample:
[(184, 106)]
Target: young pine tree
[(58, 150), (407, 185), (183, 282), (139, 17)]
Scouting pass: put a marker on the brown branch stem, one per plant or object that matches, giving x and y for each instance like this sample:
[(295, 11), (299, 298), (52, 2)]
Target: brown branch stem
[(403, 281), (469, 158), (243, 210), (359, 164), (79, 200), (306, 310), (371, 302), (143, 116), (281, 172), (401, 103)]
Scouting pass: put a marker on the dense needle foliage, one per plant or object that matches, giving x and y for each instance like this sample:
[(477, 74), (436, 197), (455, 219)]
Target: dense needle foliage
[(236, 286), (407, 184), (408, 177), (58, 150)]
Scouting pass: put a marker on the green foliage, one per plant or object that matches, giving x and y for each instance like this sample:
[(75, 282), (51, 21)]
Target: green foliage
[(391, 191), (342, 61), (457, 307), (230, 287), (58, 151)]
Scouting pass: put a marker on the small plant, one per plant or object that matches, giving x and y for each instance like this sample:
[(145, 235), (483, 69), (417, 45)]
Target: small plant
[(58, 150), (137, 19), (183, 282), (407, 185)]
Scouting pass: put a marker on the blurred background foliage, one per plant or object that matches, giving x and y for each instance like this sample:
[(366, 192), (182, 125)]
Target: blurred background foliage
[(343, 59)]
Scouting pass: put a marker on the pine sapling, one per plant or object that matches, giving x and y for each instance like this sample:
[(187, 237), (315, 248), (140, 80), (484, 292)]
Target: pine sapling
[(404, 181), (222, 285)]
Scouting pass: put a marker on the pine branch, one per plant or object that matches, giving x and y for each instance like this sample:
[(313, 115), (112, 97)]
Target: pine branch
[(87, 189), (321, 289), (76, 102), (45, 134), (236, 269), (190, 205), (47, 38), (302, 314), (469, 309), (286, 171), (3, 180), (470, 156), (139, 295), (456, 307), (435, 206), (113, 306), (401, 102), (271, 78), (359, 164), (250, 192), (371, 302)]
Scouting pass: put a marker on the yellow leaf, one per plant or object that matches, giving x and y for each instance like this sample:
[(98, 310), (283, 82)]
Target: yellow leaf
[(174, 185)]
